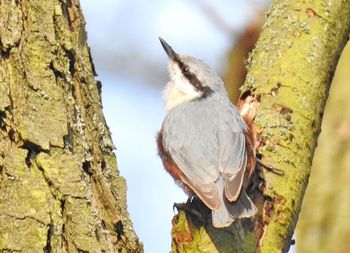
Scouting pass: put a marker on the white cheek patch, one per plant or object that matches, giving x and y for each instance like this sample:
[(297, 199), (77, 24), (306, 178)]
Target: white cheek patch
[(178, 89)]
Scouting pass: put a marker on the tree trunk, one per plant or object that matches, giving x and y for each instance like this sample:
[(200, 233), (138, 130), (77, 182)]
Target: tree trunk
[(325, 217), (289, 74), (60, 190)]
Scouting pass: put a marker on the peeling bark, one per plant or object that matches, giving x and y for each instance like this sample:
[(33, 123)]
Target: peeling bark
[(60, 190), (289, 72)]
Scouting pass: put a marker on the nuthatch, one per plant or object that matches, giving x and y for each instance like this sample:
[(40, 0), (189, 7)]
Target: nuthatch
[(204, 142)]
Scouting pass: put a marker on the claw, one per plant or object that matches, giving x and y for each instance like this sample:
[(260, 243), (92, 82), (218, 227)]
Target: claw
[(183, 206), (190, 209), (178, 206), (270, 168)]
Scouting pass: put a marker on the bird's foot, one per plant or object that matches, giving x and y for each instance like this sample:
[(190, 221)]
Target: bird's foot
[(270, 168), (191, 207)]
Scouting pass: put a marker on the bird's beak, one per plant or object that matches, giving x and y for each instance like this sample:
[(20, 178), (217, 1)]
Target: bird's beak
[(168, 50)]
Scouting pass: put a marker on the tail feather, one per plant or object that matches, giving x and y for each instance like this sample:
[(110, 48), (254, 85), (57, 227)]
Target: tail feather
[(241, 208)]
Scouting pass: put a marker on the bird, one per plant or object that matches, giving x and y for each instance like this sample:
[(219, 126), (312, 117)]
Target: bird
[(204, 143)]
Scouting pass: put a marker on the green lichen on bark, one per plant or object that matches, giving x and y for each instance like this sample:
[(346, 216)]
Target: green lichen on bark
[(24, 202), (60, 190), (189, 236), (289, 72), (291, 69)]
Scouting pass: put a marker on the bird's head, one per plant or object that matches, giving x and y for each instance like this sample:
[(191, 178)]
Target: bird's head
[(190, 79)]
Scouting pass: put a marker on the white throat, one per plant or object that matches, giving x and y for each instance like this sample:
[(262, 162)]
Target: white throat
[(178, 90)]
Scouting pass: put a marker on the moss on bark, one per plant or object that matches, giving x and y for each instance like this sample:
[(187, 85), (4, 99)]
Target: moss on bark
[(60, 190), (289, 73)]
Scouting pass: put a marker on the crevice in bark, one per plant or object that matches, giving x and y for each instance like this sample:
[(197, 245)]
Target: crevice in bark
[(52, 187), (5, 52), (31, 146), (64, 6), (24, 218), (48, 181), (119, 229), (71, 60), (64, 221), (81, 251), (86, 168), (2, 120), (103, 165), (33, 151), (48, 248), (57, 73), (5, 250), (10, 176), (62, 204), (6, 122), (68, 140)]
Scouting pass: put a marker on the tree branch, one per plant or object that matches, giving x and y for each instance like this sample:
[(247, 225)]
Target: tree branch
[(289, 73)]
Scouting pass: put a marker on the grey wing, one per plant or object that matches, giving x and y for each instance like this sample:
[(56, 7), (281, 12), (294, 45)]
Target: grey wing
[(232, 161), (200, 173)]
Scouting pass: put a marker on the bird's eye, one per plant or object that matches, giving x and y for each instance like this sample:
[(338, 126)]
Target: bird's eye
[(186, 69)]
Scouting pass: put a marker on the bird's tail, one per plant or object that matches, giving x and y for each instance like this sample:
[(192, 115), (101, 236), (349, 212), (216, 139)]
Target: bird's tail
[(229, 211)]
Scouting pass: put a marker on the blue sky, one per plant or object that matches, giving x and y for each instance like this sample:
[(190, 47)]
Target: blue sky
[(123, 36)]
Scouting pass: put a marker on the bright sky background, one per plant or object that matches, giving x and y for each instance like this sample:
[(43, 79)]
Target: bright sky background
[(130, 62)]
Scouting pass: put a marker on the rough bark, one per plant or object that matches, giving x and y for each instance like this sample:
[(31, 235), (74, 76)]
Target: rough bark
[(289, 74), (325, 218), (60, 190)]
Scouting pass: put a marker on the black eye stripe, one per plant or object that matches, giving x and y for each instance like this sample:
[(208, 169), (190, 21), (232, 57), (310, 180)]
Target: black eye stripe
[(192, 78)]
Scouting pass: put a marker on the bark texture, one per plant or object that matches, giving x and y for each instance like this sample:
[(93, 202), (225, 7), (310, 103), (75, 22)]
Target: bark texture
[(325, 218), (60, 190), (289, 74)]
